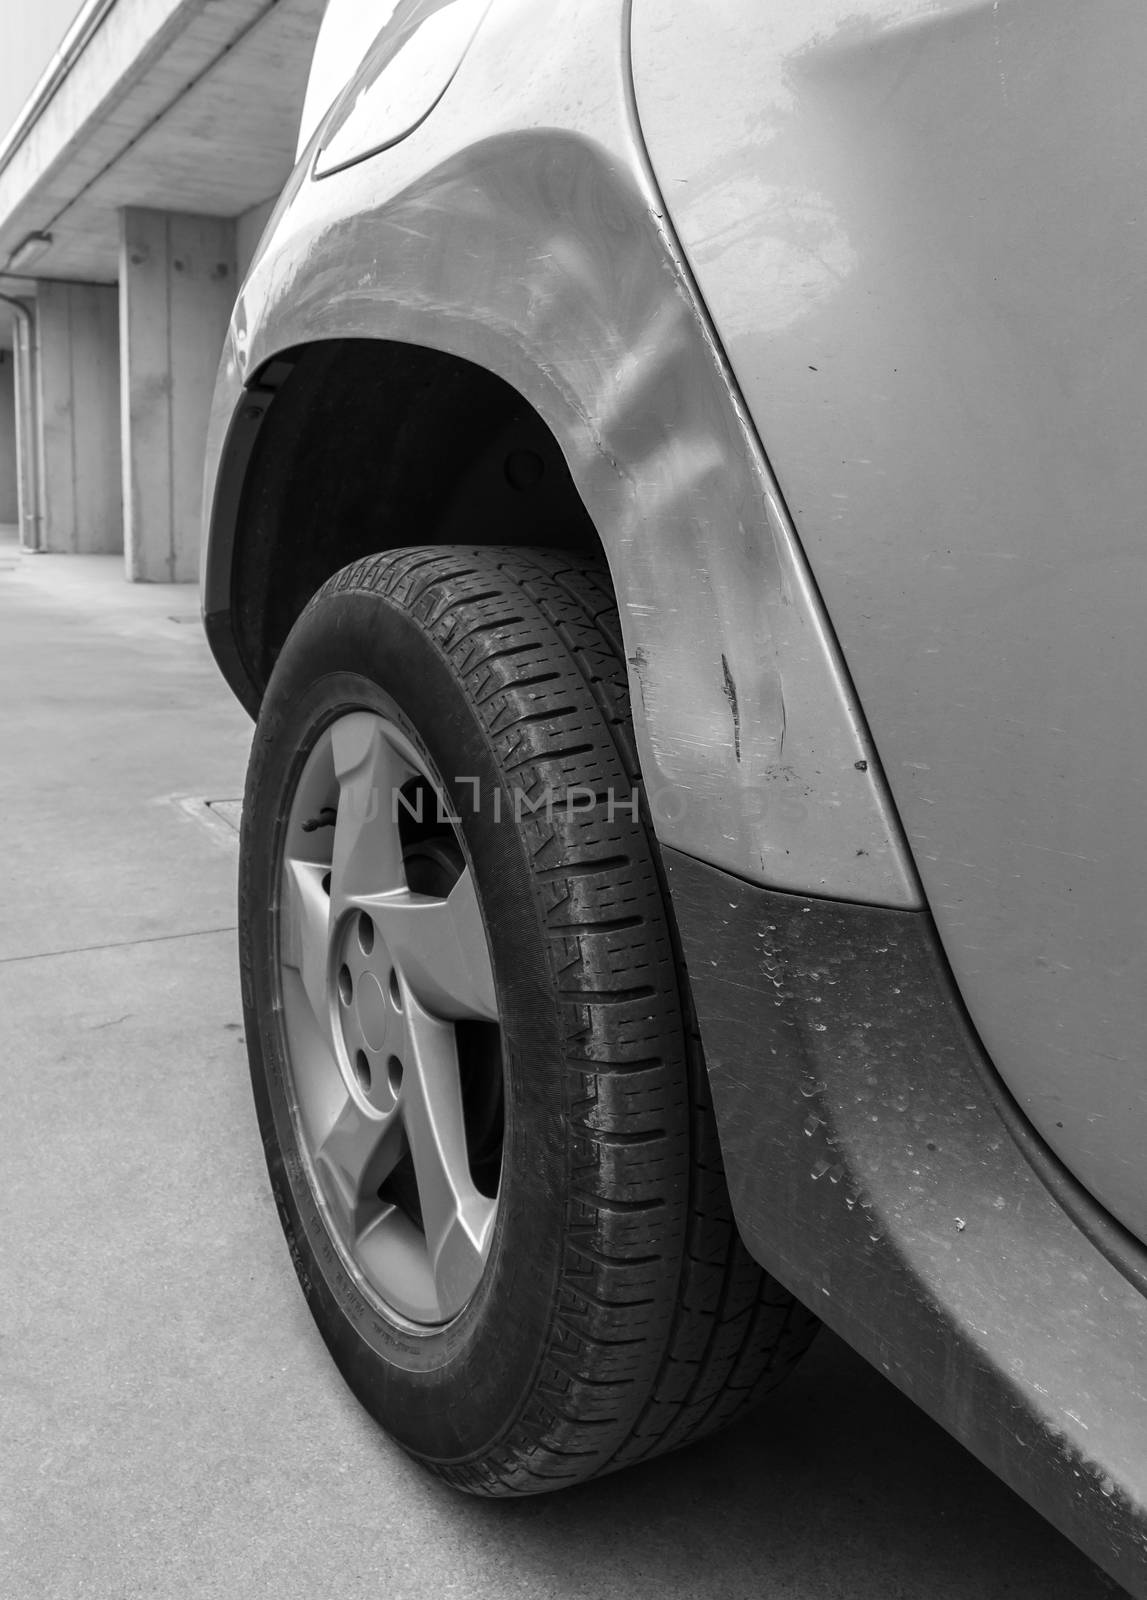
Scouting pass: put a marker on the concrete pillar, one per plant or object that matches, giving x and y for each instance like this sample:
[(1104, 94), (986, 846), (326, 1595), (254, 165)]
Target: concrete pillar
[(26, 395), (77, 370), (177, 286), (9, 488)]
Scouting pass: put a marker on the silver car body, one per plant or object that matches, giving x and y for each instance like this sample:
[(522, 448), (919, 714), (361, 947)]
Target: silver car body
[(832, 311)]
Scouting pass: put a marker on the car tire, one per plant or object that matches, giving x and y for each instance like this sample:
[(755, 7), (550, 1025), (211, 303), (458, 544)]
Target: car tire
[(445, 753)]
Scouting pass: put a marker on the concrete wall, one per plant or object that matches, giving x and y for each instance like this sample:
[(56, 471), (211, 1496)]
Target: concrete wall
[(177, 285), (9, 507), (78, 379), (29, 36)]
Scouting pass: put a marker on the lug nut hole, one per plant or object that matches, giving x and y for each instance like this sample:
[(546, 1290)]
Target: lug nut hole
[(362, 1070), (346, 985), (365, 933)]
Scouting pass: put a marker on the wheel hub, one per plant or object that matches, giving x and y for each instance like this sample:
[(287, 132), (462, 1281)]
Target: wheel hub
[(372, 1012)]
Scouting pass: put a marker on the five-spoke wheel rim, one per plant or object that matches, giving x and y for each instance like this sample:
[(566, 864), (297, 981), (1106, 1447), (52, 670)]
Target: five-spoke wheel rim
[(390, 1021)]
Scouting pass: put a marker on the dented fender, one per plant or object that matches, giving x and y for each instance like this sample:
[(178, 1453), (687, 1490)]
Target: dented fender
[(538, 248)]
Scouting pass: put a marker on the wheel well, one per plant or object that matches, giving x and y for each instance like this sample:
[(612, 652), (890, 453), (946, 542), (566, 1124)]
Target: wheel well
[(370, 445)]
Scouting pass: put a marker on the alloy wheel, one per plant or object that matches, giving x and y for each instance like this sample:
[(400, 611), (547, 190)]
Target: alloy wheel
[(391, 1021)]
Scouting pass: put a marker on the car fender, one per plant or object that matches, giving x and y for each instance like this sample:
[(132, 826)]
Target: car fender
[(542, 253)]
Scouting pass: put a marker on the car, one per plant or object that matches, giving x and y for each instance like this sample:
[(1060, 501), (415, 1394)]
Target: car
[(674, 502)]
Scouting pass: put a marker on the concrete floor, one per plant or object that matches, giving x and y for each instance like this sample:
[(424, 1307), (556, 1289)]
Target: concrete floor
[(170, 1424)]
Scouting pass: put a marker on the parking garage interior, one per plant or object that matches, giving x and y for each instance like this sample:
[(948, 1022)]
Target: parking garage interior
[(144, 145)]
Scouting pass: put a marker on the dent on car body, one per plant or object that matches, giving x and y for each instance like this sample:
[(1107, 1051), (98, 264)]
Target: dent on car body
[(519, 228)]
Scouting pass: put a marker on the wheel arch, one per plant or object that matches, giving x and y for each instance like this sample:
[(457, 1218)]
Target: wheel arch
[(351, 446)]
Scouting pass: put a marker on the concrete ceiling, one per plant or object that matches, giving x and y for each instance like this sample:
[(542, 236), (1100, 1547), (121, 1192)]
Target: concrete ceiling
[(200, 117)]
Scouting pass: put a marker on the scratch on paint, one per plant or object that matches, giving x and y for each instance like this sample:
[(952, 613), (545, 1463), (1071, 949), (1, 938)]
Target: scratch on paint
[(731, 697), (113, 1022)]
